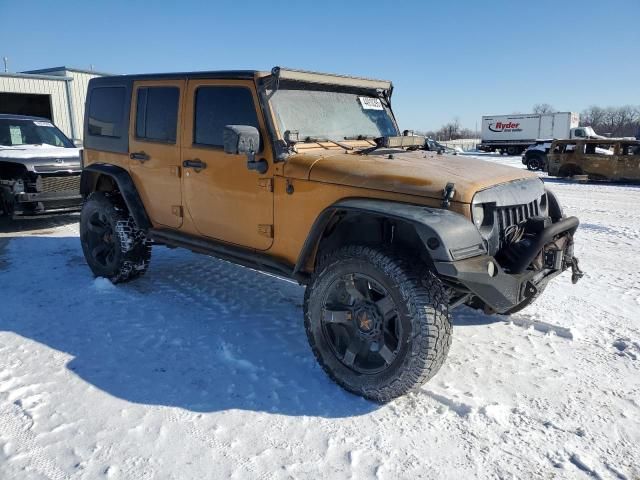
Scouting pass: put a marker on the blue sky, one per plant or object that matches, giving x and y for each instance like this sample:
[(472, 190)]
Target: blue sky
[(447, 59)]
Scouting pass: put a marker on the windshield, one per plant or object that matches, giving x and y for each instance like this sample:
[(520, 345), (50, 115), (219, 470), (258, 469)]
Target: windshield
[(16, 132), (319, 114)]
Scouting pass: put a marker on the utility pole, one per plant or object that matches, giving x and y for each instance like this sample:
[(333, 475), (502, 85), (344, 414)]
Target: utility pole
[(6, 64)]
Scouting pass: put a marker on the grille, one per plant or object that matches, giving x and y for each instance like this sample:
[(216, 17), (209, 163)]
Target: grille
[(515, 214), (55, 168), (60, 184)]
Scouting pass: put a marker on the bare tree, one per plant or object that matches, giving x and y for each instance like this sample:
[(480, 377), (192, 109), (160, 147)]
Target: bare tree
[(615, 121), (592, 116), (542, 108)]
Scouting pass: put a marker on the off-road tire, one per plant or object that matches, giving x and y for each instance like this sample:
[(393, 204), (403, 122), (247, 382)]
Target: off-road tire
[(131, 250), (422, 306)]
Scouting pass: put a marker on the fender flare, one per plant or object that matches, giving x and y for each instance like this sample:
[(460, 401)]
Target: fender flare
[(126, 187), (447, 236)]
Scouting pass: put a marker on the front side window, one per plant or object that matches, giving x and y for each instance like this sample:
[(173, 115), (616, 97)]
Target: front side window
[(216, 107), (31, 132), (105, 111), (157, 114), (333, 115)]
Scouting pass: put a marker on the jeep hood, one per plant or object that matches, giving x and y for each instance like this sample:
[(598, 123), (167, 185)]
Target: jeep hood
[(413, 173)]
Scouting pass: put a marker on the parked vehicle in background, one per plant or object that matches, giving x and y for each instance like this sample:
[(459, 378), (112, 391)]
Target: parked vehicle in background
[(306, 175), (512, 134), (611, 159), (431, 145), (535, 156), (39, 167)]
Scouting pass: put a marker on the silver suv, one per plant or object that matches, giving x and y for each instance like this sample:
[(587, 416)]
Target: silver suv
[(39, 167)]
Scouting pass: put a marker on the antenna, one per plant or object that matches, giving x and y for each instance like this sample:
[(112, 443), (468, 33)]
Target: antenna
[(6, 64)]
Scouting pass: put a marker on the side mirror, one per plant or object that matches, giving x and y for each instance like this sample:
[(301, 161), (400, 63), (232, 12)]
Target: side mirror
[(239, 139)]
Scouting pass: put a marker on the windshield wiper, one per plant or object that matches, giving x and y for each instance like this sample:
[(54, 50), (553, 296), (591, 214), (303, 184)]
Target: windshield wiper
[(335, 142), (394, 142), (360, 137)]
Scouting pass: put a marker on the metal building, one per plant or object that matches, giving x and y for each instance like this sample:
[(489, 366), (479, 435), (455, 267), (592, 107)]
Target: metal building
[(55, 93)]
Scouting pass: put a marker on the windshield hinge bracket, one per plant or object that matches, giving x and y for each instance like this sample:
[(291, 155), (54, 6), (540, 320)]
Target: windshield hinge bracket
[(447, 194)]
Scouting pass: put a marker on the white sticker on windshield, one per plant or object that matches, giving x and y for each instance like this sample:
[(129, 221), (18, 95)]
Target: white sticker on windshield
[(369, 103), (43, 124)]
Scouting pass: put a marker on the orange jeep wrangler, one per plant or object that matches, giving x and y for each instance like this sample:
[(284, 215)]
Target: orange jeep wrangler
[(306, 175)]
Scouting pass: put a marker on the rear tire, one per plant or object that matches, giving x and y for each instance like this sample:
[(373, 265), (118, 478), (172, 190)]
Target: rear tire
[(378, 325), (512, 151), (112, 244), (569, 171)]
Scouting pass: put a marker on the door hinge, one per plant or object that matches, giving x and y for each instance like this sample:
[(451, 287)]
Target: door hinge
[(176, 210), (266, 230), (175, 170), (266, 183)]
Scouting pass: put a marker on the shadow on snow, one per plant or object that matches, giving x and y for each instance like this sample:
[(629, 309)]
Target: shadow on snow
[(195, 332)]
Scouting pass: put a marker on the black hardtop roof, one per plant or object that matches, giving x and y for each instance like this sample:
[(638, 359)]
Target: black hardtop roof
[(11, 116), (220, 74)]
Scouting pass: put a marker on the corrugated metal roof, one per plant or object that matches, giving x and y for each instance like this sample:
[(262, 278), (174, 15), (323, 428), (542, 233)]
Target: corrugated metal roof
[(36, 76), (59, 69)]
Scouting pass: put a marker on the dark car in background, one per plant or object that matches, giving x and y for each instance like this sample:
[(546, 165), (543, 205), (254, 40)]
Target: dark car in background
[(39, 167)]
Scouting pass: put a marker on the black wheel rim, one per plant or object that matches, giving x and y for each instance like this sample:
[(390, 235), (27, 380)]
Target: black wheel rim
[(101, 241), (533, 163), (360, 323)]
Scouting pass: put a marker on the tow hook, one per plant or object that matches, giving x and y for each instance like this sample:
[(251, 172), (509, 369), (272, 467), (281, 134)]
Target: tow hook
[(576, 273)]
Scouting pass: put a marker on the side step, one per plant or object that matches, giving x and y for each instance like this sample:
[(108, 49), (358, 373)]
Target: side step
[(242, 256)]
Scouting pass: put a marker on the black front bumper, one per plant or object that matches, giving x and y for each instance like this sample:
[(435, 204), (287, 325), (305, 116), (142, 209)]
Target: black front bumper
[(46, 202), (505, 288)]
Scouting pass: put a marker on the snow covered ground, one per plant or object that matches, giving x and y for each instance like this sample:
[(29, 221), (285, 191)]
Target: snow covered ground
[(201, 369)]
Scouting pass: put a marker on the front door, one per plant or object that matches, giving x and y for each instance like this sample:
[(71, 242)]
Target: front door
[(154, 148), (226, 201)]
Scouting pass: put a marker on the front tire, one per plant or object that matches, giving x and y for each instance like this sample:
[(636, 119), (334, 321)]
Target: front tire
[(112, 244), (378, 325), (535, 162)]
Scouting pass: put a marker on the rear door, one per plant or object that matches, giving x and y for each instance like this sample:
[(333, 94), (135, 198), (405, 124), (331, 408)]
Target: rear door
[(226, 200), (154, 148), (629, 162)]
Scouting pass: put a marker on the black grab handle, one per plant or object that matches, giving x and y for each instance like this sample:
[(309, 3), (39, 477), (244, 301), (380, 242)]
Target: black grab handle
[(197, 164)]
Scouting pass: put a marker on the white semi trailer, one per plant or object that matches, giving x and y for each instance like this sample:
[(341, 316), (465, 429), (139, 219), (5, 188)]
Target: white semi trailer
[(512, 134)]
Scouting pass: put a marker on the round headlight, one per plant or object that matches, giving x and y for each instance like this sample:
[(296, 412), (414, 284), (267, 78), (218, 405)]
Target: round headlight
[(477, 212)]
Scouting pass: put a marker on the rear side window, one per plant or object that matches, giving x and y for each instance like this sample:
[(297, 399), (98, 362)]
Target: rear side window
[(105, 111), (216, 107), (157, 114)]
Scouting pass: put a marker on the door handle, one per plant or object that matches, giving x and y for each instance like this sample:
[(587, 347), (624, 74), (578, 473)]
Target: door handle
[(141, 156), (196, 164)]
